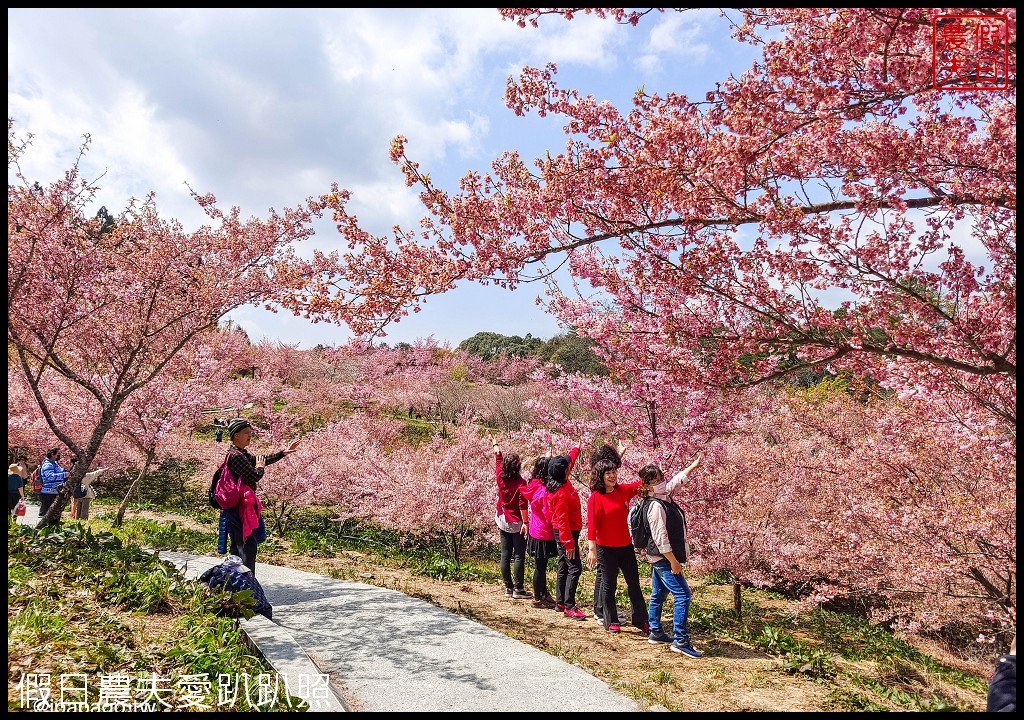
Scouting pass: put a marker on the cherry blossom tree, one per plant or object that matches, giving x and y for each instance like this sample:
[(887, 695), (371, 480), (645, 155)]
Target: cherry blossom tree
[(827, 209), (107, 303), (873, 501), (174, 399), (442, 489)]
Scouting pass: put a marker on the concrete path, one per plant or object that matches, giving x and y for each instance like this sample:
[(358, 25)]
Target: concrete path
[(385, 651)]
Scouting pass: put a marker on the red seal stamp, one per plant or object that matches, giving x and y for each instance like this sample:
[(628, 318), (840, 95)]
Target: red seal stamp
[(970, 52)]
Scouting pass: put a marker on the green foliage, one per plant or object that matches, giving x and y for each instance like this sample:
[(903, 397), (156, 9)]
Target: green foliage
[(719, 577), (313, 544), (59, 575), (169, 536), (416, 431), (569, 351), (855, 639), (822, 388), (573, 353), (489, 345), (166, 486), (444, 568)]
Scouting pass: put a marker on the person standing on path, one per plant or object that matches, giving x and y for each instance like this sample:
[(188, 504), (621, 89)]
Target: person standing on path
[(540, 543), (82, 498), (15, 488), (667, 550), (243, 519), (614, 455), (609, 545), (509, 516), (564, 509), (52, 476), (22, 464)]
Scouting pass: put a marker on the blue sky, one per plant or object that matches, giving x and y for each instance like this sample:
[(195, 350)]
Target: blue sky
[(264, 108)]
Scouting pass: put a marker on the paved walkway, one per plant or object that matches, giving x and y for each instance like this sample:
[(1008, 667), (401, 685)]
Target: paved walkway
[(385, 651)]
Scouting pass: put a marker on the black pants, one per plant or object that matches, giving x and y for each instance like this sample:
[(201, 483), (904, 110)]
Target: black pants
[(12, 500), (567, 577), (45, 501), (513, 552), (540, 578), (610, 560), (245, 550), (598, 592)]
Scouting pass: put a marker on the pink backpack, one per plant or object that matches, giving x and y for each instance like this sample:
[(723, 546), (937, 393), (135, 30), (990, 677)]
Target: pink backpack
[(228, 489)]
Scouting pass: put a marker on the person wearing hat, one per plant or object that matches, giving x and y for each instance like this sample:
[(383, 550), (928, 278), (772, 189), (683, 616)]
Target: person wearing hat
[(52, 475), (244, 519), (15, 487)]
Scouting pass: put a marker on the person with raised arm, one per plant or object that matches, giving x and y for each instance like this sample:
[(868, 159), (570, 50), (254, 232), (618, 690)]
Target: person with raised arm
[(510, 514), (667, 550), (564, 509), (245, 519)]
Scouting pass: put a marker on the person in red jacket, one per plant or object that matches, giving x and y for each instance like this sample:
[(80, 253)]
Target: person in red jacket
[(610, 546), (613, 453), (563, 505), (509, 516)]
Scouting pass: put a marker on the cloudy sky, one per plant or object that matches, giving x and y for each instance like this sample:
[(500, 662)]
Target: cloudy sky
[(264, 108)]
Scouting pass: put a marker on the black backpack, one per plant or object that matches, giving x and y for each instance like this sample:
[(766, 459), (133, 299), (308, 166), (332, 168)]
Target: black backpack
[(639, 527), (213, 487)]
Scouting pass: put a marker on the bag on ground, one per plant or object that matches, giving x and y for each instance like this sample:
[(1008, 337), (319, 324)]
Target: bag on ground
[(231, 575)]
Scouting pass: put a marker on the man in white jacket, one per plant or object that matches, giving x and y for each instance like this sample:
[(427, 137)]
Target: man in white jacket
[(84, 495)]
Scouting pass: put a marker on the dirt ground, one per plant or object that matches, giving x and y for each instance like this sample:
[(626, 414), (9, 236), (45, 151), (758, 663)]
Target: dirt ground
[(731, 676)]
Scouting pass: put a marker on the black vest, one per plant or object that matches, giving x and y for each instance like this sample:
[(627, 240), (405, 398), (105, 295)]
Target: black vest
[(675, 524)]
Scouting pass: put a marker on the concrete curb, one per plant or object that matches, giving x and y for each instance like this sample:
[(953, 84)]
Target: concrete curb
[(275, 645), (302, 677)]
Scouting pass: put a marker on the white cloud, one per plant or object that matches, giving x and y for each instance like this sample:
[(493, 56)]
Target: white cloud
[(264, 108), (678, 37)]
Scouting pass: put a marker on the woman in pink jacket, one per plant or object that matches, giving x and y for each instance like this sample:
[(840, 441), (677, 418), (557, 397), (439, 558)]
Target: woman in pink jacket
[(540, 543)]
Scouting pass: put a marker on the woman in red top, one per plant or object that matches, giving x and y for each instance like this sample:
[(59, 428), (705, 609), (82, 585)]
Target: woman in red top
[(563, 505), (509, 516), (610, 546)]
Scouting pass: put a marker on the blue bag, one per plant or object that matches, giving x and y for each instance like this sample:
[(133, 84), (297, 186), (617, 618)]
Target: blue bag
[(260, 533)]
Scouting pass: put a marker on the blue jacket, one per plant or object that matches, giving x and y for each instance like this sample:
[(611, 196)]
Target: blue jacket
[(52, 475)]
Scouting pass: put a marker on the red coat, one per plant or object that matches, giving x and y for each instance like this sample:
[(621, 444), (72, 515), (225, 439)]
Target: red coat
[(564, 507), (511, 503), (608, 515)]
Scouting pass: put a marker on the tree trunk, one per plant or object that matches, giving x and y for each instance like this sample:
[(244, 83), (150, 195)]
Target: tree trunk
[(737, 605), (124, 503), (64, 493)]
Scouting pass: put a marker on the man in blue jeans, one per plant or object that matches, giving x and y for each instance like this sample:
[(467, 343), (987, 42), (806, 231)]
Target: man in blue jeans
[(666, 552)]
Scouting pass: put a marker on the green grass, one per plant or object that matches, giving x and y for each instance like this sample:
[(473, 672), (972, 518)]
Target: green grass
[(821, 646), (91, 603)]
